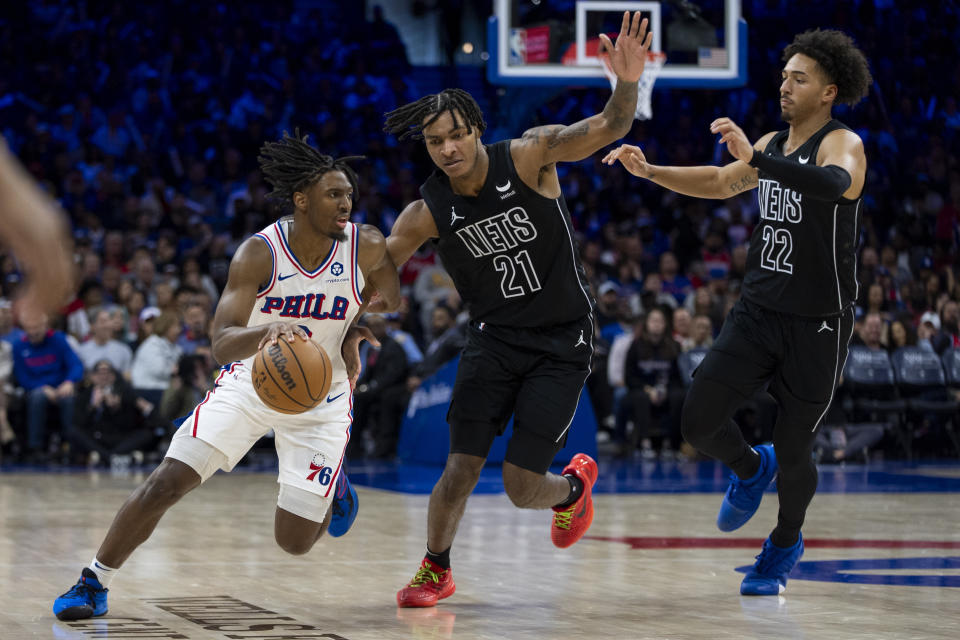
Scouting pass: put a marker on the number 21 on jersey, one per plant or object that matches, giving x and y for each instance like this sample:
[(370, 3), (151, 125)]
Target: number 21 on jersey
[(517, 277)]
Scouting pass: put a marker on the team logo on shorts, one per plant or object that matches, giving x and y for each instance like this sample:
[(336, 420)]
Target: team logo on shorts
[(336, 268), (319, 469)]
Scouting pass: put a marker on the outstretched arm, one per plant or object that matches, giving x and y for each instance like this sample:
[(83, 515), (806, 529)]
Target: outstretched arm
[(37, 233), (700, 182), (546, 145), (838, 171)]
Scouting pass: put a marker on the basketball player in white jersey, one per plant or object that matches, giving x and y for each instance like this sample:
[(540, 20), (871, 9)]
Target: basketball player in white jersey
[(299, 279)]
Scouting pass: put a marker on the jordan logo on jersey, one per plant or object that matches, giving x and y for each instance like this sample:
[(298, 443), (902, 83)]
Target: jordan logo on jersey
[(581, 340), (310, 305), (498, 233), (453, 216), (825, 327)]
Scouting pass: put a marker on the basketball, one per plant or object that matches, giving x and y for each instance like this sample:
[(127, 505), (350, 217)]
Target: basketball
[(292, 377)]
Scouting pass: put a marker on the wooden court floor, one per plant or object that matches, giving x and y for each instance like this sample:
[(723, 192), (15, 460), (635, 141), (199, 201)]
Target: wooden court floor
[(655, 567)]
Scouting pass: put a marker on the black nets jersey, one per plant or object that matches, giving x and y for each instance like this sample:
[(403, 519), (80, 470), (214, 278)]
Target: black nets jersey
[(802, 255), (509, 250)]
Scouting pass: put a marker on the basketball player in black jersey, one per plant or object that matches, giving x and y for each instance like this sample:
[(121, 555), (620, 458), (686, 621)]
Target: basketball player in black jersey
[(791, 327), (504, 234)]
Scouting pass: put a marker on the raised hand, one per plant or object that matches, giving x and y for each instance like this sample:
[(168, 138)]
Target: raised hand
[(631, 158), (733, 136), (629, 55)]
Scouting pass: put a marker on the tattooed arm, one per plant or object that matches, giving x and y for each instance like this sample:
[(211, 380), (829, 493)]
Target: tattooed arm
[(700, 182)]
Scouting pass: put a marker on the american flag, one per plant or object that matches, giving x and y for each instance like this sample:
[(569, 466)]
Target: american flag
[(711, 57)]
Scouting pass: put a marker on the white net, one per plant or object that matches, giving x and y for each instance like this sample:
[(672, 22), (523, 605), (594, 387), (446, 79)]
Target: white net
[(651, 70)]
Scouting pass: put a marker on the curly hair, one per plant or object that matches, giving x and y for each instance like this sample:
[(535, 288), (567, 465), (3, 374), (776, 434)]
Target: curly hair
[(292, 164), (841, 60), (408, 121)]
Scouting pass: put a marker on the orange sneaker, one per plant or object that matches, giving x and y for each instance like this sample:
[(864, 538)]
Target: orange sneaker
[(570, 523), (430, 584)]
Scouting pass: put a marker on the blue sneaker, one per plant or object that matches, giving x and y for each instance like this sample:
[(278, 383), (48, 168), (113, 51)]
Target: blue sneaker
[(84, 599), (345, 507), (769, 575), (743, 496)]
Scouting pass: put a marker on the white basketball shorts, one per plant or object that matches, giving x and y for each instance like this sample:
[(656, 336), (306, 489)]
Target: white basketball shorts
[(310, 446)]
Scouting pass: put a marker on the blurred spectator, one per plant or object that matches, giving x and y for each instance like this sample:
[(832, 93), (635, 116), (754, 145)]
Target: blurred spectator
[(48, 370), (607, 298), (836, 443), (147, 319), (381, 394), (433, 286), (948, 335), (108, 420), (902, 334), (155, 361), (195, 338), (673, 282), (186, 389), (682, 326), (701, 334), (102, 346), (876, 301), (653, 399), (872, 332), (89, 299), (448, 340), (928, 330), (404, 339)]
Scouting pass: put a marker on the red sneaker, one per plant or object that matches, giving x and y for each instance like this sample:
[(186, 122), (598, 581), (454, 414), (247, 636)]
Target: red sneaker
[(570, 523), (432, 583)]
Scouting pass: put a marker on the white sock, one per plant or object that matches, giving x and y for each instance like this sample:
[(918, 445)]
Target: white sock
[(104, 573)]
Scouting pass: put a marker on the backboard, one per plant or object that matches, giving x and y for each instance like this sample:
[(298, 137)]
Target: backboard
[(554, 42)]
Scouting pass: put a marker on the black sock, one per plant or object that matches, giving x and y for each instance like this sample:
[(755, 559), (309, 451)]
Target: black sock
[(747, 465), (576, 490), (441, 559)]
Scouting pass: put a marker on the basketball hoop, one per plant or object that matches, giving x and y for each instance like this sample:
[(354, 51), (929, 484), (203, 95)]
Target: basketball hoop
[(651, 70)]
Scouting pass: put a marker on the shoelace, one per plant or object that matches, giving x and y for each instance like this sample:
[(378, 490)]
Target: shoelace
[(80, 589), (740, 493), (768, 564), (425, 575), (563, 519)]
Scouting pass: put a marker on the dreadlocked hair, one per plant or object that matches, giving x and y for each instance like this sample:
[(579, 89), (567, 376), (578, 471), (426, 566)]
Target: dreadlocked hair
[(291, 164), (841, 60), (408, 121)]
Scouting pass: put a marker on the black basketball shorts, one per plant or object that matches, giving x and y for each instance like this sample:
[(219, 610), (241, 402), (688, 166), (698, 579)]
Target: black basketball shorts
[(801, 358), (534, 374)]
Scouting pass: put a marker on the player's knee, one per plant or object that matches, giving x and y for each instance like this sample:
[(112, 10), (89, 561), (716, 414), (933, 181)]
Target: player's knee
[(169, 483), (295, 545), (460, 476), (695, 423)]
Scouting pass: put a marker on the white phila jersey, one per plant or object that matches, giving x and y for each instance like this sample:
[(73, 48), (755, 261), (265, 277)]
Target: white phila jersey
[(323, 302)]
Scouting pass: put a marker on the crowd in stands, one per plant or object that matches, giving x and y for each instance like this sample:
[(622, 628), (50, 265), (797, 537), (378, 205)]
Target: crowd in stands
[(144, 121)]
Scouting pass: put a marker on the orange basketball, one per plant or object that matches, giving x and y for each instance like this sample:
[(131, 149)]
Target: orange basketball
[(292, 377)]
